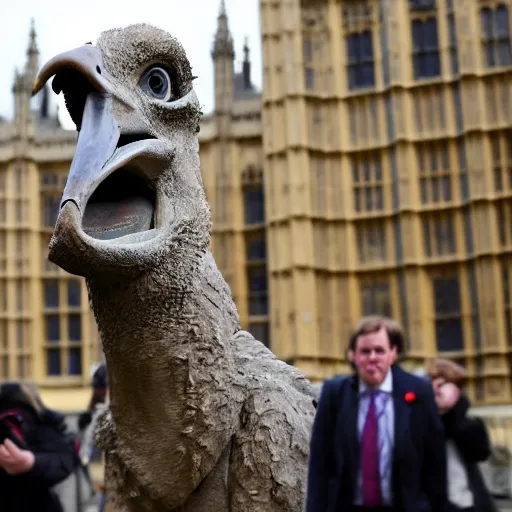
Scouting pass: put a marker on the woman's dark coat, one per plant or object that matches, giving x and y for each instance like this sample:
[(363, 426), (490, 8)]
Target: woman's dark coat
[(45, 434), (472, 441)]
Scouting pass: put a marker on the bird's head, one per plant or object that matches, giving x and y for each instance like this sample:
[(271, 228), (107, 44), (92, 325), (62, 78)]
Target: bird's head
[(134, 191)]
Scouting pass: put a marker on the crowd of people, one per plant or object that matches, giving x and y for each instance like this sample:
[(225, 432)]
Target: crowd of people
[(383, 440)]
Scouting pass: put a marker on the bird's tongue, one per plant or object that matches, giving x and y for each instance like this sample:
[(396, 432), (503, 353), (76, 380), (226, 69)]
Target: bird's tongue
[(122, 205)]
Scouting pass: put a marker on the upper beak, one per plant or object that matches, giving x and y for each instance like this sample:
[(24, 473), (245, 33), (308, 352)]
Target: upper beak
[(86, 60), (89, 91)]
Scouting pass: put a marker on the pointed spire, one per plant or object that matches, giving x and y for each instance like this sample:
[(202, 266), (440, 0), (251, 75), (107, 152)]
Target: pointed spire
[(223, 42), (32, 65), (246, 49), (246, 66), (32, 47)]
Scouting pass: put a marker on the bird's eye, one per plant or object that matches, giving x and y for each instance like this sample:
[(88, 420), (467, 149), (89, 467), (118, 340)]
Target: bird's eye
[(157, 83)]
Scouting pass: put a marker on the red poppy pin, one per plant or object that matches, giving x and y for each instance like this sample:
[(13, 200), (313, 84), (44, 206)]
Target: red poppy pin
[(410, 397)]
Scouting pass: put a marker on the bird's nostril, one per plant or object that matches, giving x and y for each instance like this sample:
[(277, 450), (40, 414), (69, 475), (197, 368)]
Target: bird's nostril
[(98, 69)]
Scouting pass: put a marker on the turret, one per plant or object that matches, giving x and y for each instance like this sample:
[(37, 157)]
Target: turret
[(223, 55), (22, 86), (32, 65), (246, 66)]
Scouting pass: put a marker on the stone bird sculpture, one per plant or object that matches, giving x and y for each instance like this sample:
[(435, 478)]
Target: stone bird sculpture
[(202, 416)]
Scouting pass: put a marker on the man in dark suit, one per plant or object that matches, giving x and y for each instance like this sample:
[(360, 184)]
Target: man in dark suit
[(377, 441)]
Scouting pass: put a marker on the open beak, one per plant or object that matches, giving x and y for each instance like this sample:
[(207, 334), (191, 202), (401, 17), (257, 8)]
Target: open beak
[(109, 194)]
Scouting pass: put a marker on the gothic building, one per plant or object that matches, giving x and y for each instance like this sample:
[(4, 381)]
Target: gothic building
[(387, 129)]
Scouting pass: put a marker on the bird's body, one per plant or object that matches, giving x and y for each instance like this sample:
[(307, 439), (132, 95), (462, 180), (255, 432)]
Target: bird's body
[(202, 416)]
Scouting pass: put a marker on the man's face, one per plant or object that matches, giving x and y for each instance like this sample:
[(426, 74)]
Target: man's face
[(373, 357)]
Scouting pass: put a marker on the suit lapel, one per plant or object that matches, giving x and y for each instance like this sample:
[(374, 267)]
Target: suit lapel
[(402, 413), (348, 438), (352, 424)]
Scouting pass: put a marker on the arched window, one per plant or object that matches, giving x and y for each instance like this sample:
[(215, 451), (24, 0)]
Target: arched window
[(447, 307), (360, 60), (376, 299), (254, 202), (425, 48), (496, 36)]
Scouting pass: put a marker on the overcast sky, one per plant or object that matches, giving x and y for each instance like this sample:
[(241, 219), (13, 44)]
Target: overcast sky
[(62, 25)]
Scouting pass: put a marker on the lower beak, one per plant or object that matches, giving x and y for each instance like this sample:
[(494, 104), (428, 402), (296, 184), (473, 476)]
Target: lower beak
[(81, 75)]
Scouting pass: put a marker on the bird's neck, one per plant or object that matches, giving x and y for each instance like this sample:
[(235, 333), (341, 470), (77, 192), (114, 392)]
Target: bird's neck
[(171, 366)]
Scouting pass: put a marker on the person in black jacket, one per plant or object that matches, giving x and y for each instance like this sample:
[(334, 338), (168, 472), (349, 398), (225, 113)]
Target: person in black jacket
[(87, 423), (467, 440), (36, 452)]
